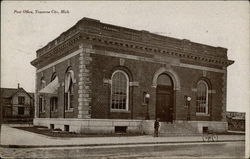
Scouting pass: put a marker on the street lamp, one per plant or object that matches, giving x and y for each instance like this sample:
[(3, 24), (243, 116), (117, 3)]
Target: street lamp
[(188, 99), (147, 96)]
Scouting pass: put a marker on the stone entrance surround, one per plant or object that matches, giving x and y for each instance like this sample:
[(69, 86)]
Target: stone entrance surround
[(107, 126)]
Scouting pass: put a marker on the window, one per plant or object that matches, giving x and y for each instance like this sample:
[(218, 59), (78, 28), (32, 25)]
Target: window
[(41, 104), (21, 100), (66, 128), (7, 111), (52, 126), (53, 100), (202, 98), (121, 129), (53, 103), (20, 111), (7, 101), (69, 90), (41, 98), (53, 76), (119, 90), (164, 80)]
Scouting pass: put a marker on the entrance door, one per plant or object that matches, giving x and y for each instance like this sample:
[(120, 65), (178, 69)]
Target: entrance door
[(164, 98)]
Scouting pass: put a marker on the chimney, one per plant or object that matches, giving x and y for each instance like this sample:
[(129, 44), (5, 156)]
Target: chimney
[(18, 85)]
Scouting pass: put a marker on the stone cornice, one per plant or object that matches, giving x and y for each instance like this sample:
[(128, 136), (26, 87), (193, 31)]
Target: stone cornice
[(156, 50), (57, 50), (92, 31)]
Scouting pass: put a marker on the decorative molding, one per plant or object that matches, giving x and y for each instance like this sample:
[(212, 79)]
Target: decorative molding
[(171, 73), (194, 89), (53, 45), (212, 91), (56, 51), (209, 91), (122, 61), (107, 81), (170, 61), (204, 73), (168, 65), (135, 40), (202, 114), (202, 68), (135, 83), (151, 48), (60, 60), (169, 51)]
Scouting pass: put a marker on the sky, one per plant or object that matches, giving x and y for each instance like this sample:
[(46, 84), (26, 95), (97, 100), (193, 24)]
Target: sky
[(221, 23)]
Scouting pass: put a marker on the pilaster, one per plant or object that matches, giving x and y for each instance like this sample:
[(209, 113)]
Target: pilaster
[(224, 95), (36, 105), (84, 83)]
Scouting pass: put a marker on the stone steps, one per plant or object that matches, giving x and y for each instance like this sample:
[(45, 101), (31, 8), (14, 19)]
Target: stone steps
[(177, 129)]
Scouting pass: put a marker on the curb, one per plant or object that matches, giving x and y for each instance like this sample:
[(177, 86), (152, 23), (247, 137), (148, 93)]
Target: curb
[(111, 144)]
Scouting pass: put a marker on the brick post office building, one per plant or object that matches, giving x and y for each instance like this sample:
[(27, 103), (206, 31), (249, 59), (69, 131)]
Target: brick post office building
[(98, 77)]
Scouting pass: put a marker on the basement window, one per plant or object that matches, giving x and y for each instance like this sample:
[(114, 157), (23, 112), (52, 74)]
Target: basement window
[(52, 126), (120, 129), (66, 128), (205, 129)]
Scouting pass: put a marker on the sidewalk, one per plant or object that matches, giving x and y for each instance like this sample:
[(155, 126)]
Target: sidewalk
[(11, 137)]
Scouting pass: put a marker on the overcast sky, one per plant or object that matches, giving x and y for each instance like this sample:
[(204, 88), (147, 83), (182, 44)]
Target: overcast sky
[(222, 23)]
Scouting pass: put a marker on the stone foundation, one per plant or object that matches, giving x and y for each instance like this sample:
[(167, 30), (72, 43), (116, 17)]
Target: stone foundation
[(89, 126), (216, 126), (108, 126)]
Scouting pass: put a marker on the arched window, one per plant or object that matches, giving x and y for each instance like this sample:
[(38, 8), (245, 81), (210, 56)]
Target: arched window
[(69, 89), (164, 80), (41, 97), (202, 98), (53, 76), (119, 90)]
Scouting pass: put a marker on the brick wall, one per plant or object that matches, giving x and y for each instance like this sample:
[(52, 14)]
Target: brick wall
[(189, 79), (102, 68), (92, 88), (142, 72), (60, 70)]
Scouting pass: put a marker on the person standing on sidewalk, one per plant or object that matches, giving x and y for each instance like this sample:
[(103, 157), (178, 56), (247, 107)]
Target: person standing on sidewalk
[(156, 127)]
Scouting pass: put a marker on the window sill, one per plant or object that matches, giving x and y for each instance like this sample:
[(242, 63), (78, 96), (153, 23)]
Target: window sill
[(119, 111), (202, 114), (69, 110)]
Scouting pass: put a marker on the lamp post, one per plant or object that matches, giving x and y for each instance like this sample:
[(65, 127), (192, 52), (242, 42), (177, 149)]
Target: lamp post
[(188, 99), (147, 96)]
